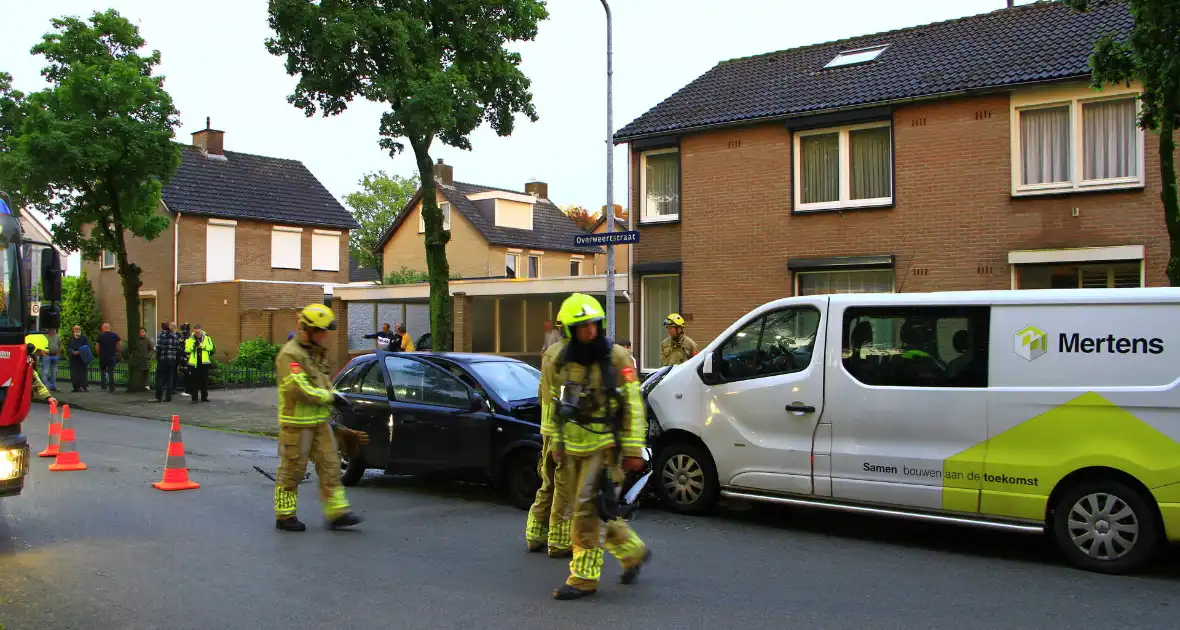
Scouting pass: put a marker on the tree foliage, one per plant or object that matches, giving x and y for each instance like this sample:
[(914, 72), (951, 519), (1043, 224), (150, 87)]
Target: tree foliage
[(375, 206), (1151, 56), (79, 307), (441, 69), (581, 217), (95, 147)]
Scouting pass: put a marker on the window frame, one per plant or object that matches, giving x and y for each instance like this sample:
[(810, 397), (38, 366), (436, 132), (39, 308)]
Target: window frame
[(529, 261), (334, 260), (799, 276), (718, 378), (103, 260), (1075, 98), (445, 207), (643, 305), (972, 312), (516, 267), (644, 218), (576, 264), (845, 201)]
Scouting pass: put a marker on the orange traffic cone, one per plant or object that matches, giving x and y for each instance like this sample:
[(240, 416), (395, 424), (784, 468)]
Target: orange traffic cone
[(175, 470), (54, 432), (67, 455)]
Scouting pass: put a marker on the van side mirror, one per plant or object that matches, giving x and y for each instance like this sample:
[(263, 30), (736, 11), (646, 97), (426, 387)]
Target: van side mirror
[(707, 364), (50, 275)]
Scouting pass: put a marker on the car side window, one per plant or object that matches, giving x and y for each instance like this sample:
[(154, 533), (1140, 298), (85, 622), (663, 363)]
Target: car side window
[(417, 382), (371, 383), (917, 346), (780, 342), (346, 384)]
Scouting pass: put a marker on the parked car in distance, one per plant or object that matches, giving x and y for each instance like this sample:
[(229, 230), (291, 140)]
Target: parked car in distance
[(469, 417)]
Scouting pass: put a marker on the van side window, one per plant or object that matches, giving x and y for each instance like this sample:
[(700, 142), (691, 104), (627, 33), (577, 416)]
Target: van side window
[(780, 342), (918, 346)]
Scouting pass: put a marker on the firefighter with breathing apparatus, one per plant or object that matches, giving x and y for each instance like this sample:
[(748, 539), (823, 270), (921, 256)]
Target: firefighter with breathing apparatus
[(306, 431), (601, 429)]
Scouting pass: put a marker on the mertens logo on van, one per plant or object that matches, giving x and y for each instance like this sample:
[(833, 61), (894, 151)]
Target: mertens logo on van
[(1031, 343)]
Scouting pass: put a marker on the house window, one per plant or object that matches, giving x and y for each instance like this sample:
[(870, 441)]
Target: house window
[(660, 296), (534, 266), (841, 167), (852, 57), (659, 179), (1116, 275), (286, 248), (147, 314), (575, 267), (1077, 143), (108, 259), (860, 281), (446, 212), (513, 263), (325, 251), (220, 250)]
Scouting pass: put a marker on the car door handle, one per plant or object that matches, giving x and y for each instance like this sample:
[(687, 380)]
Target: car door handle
[(801, 408)]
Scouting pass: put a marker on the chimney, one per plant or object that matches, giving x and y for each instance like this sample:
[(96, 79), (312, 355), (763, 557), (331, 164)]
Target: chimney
[(538, 189), (444, 173), (1010, 4), (209, 140)]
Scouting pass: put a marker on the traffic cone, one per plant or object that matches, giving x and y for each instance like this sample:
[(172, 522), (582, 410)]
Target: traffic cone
[(175, 470), (54, 432), (67, 455)]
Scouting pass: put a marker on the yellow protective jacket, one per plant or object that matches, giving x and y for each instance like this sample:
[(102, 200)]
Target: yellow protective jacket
[(206, 348), (305, 389), (544, 391), (41, 393), (576, 439), (677, 351)]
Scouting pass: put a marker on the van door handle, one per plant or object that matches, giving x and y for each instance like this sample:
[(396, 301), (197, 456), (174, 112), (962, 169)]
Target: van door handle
[(801, 408)]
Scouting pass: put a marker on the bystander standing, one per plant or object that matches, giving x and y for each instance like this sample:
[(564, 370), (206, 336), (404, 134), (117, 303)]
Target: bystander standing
[(49, 361), (167, 355), (108, 356)]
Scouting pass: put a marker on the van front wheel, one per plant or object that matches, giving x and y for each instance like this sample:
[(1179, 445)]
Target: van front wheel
[(1106, 527), (686, 480)]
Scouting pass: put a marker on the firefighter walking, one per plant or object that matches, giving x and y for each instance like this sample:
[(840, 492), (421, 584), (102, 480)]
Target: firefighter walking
[(601, 429), (305, 430), (677, 347), (547, 527)]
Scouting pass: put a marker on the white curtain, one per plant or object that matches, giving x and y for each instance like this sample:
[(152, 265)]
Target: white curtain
[(824, 283), (663, 184), (869, 163), (1044, 145), (819, 175), (1109, 139)]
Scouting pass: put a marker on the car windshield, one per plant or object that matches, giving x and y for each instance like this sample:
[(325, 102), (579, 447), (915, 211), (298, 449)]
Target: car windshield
[(511, 380)]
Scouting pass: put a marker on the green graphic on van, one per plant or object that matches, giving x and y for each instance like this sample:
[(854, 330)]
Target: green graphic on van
[(1031, 343)]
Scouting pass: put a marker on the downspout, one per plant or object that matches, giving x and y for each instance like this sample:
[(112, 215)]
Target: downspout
[(176, 268)]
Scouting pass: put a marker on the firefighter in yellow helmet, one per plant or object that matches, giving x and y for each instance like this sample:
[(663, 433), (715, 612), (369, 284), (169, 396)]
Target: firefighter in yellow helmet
[(305, 430), (676, 348), (40, 345), (547, 526), (601, 429)]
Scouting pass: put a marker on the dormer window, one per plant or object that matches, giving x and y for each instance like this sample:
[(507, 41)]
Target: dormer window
[(853, 57)]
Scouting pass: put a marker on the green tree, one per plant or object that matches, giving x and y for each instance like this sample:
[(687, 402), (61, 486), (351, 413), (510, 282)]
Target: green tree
[(375, 206), (79, 307), (1150, 55), (94, 148), (441, 68)]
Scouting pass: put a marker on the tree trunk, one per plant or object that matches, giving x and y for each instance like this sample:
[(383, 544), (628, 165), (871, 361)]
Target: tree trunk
[(1168, 194), (437, 269), (130, 273)]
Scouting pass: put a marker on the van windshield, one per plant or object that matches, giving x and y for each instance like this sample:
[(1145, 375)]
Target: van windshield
[(11, 313)]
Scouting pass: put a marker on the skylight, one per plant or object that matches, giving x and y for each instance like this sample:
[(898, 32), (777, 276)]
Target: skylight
[(850, 57)]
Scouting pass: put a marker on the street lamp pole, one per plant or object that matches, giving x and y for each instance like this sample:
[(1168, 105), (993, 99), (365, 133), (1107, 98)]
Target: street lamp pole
[(610, 184)]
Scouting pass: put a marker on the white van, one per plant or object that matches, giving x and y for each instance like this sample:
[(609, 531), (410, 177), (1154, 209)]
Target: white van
[(1042, 411)]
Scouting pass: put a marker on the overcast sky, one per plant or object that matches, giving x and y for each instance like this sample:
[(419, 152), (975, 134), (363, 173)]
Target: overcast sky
[(217, 66)]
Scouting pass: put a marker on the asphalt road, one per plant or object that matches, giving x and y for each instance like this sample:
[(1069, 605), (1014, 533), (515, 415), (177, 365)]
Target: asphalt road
[(103, 549)]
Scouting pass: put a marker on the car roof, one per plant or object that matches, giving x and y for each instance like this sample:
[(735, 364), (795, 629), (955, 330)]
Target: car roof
[(457, 357)]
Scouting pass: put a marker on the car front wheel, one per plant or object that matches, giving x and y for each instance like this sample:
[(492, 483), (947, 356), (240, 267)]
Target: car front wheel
[(685, 478), (520, 480), (1105, 526), (352, 469)]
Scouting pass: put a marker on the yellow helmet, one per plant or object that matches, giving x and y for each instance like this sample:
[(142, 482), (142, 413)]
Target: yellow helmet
[(39, 342), (674, 319), (318, 316), (579, 308)]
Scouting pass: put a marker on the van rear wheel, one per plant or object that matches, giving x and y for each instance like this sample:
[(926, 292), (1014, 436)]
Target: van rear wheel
[(685, 478), (1106, 527)]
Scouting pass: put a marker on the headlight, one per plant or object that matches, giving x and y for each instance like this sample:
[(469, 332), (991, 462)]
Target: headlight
[(10, 463)]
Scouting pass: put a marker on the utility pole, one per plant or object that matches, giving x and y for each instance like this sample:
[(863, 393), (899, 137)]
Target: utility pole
[(610, 184)]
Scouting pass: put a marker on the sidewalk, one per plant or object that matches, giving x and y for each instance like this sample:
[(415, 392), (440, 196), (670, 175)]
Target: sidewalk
[(249, 409)]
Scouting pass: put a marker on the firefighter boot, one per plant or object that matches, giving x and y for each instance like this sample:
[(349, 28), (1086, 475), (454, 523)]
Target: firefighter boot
[(348, 519), (632, 573), (567, 592), (289, 524)]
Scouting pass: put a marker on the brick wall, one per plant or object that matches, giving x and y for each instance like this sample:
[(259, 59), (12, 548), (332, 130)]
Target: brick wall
[(253, 253), (953, 223), (216, 308)]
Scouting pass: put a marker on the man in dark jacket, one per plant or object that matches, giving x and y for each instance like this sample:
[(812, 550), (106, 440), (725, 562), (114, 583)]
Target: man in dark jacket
[(167, 354), (77, 363)]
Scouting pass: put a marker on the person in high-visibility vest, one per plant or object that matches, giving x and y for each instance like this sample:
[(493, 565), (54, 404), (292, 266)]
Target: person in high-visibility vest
[(40, 345)]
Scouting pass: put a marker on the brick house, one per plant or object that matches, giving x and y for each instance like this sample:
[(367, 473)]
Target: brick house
[(513, 259), (251, 239), (966, 154)]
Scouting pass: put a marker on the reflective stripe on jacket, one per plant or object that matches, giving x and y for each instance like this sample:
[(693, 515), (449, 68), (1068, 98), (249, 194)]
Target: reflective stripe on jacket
[(206, 348), (597, 436), (41, 393), (305, 389)]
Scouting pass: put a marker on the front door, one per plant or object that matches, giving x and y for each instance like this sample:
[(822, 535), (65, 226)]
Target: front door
[(370, 398), (766, 397), (436, 420)]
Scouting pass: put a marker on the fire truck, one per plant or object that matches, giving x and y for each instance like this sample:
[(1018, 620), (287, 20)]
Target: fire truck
[(16, 321)]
